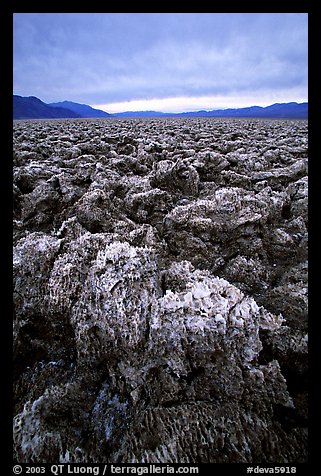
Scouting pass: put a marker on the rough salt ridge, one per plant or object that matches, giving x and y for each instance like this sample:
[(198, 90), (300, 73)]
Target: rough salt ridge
[(160, 291)]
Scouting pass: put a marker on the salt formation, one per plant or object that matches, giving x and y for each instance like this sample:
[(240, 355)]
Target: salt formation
[(160, 291)]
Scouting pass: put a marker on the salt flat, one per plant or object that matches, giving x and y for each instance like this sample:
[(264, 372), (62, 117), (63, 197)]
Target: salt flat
[(160, 273)]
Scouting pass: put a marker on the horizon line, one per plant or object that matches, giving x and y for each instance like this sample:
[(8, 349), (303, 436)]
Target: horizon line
[(181, 104), (201, 110), (113, 108)]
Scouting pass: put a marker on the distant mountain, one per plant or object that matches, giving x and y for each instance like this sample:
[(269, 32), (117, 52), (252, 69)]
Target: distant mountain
[(141, 114), (277, 110), (82, 109), (32, 108)]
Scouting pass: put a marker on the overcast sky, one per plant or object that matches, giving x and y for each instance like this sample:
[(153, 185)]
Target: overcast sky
[(170, 62)]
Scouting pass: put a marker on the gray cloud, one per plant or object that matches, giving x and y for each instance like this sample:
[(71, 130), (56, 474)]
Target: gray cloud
[(100, 58)]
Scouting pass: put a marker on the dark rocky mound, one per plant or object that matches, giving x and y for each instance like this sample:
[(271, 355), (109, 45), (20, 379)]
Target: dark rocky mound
[(160, 291)]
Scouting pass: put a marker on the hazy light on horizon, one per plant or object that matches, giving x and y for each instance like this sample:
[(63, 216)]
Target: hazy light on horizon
[(186, 104)]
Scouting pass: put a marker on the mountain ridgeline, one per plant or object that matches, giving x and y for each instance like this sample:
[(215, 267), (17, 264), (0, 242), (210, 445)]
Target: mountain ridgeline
[(82, 109), (33, 108)]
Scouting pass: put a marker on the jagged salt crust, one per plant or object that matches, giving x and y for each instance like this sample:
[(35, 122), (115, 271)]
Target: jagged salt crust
[(160, 271)]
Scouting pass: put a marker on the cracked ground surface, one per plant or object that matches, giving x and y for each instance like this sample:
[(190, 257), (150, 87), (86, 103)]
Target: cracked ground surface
[(160, 290)]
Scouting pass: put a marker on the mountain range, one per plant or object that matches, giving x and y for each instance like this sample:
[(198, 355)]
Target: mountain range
[(82, 109), (33, 108)]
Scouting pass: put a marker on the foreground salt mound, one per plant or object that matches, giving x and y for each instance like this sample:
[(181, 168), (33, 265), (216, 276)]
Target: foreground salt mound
[(178, 375), (160, 291)]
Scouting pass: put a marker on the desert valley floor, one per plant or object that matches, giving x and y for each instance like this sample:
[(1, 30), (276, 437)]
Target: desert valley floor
[(160, 290)]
